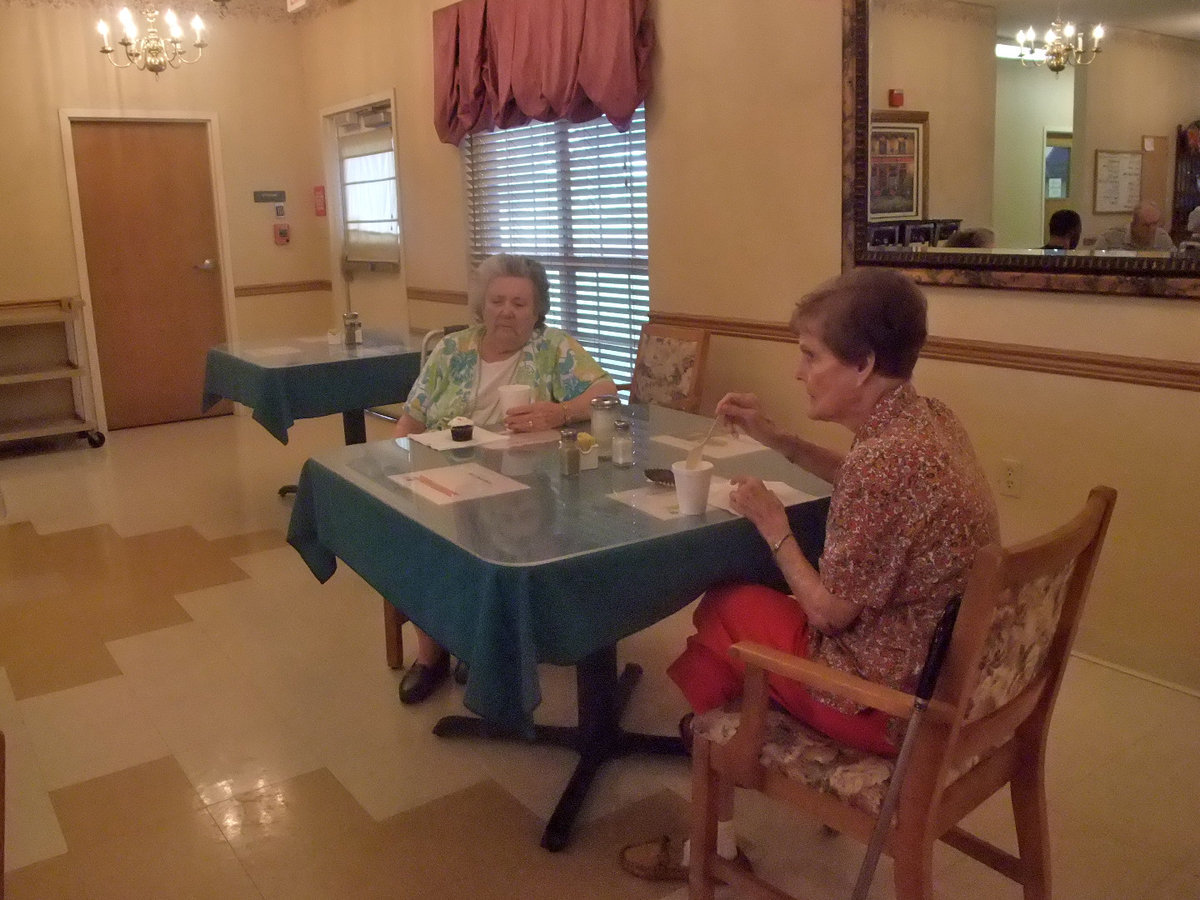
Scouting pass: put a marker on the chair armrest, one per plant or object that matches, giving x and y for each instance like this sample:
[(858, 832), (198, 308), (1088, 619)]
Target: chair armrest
[(820, 676)]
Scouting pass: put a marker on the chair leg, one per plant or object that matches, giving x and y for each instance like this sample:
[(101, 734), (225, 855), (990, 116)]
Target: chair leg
[(912, 858), (706, 791), (393, 637), (1028, 788)]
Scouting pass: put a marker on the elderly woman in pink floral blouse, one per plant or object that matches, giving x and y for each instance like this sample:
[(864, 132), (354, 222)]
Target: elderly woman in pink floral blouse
[(910, 509)]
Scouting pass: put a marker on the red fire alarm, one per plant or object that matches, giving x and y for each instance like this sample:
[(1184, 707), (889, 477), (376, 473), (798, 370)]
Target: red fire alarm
[(896, 97)]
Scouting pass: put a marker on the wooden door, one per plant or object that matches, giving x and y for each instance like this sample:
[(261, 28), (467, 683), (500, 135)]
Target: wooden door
[(149, 225)]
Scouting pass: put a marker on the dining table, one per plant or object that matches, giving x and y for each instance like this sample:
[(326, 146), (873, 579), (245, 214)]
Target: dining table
[(509, 562), (286, 379)]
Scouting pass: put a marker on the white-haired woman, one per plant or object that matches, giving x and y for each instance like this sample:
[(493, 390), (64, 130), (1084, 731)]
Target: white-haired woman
[(509, 298)]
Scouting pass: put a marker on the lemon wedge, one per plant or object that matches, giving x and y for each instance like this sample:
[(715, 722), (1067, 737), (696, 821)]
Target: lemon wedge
[(585, 441)]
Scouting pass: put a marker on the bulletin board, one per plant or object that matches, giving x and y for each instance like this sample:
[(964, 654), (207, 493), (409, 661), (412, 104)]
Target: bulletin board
[(1118, 181)]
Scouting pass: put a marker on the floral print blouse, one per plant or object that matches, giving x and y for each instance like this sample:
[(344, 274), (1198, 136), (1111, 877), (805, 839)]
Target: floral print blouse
[(910, 509), (553, 363)]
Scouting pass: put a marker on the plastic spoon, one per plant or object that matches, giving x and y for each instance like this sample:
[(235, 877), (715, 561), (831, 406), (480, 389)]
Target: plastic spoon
[(696, 455)]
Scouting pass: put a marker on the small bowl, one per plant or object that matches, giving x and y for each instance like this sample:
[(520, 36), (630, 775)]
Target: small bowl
[(461, 432)]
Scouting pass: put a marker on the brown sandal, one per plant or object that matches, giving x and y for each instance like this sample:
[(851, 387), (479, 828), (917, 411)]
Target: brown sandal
[(657, 860), (662, 860)]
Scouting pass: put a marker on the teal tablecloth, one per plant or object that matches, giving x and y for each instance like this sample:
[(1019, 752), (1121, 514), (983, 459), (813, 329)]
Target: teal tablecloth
[(294, 379), (552, 574)]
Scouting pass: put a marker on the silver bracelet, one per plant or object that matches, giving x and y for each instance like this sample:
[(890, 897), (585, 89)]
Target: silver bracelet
[(779, 543)]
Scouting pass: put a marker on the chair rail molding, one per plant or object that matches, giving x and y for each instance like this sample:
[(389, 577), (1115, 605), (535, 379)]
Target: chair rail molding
[(1162, 373)]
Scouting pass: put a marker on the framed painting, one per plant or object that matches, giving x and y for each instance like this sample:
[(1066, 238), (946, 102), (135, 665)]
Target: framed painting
[(897, 165)]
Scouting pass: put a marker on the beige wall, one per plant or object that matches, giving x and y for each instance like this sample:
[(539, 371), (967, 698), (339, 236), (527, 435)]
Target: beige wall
[(250, 78), (1029, 102), (952, 77), (1143, 84), (744, 140)]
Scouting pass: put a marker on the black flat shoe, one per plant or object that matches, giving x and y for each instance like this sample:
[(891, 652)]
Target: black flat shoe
[(421, 680), (461, 672)]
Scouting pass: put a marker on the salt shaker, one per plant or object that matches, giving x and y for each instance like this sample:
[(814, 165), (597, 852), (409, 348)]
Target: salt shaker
[(622, 444), (568, 452), (604, 415), (352, 328)]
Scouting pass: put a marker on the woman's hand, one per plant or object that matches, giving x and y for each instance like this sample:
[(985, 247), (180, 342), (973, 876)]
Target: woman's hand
[(754, 500), (543, 415), (744, 412)]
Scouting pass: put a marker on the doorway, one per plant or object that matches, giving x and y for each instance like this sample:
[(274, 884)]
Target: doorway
[(149, 226)]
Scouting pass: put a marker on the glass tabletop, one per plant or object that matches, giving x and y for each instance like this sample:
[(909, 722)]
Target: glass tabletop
[(552, 516), (281, 353)]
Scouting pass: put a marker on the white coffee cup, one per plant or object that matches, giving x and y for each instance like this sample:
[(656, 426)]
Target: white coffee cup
[(691, 486), (514, 395)]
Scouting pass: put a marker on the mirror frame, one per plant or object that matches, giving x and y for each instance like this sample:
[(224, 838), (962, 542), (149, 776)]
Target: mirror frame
[(1150, 277)]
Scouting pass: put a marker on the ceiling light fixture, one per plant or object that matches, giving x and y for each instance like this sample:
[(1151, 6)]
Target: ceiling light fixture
[(1063, 45), (154, 52)]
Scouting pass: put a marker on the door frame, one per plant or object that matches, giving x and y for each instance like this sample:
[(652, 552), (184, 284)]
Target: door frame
[(209, 119)]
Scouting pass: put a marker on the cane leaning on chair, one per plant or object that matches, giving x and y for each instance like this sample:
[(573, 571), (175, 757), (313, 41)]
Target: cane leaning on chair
[(985, 728)]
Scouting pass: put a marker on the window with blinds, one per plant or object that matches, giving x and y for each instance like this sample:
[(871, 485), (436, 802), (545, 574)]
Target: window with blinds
[(367, 160), (574, 197)]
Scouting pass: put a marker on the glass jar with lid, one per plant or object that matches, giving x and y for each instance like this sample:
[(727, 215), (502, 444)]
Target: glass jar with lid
[(604, 416)]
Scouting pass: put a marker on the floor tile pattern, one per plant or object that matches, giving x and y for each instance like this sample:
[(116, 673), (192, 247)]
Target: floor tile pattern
[(190, 714)]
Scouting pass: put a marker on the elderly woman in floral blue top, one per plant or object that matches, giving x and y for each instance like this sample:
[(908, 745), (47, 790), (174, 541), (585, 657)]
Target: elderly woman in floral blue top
[(509, 298)]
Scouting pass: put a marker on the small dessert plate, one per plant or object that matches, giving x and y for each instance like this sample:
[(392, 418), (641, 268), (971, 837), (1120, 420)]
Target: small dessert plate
[(661, 477)]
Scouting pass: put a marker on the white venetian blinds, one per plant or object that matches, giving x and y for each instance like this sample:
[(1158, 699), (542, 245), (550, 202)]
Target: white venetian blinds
[(574, 197)]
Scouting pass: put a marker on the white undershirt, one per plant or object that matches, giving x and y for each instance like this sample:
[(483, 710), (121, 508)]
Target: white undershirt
[(487, 398)]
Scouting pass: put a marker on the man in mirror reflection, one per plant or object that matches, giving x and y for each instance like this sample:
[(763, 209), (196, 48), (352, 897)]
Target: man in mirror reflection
[(1065, 228), (1144, 232)]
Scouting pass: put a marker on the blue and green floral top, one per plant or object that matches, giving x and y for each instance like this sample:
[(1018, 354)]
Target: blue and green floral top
[(553, 363)]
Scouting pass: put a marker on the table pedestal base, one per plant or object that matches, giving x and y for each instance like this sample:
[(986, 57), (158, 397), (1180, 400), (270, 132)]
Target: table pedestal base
[(354, 429), (602, 695)]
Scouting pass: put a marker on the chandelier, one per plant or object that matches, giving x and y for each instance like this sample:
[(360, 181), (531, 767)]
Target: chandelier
[(154, 52), (1063, 45)]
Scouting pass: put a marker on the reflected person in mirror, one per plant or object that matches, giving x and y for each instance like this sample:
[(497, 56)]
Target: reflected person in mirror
[(1144, 232), (909, 510), (982, 238), (508, 298), (1065, 228)]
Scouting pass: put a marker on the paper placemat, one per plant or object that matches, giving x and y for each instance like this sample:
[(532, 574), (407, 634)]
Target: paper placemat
[(441, 440), (720, 446), (451, 484), (718, 494), (660, 502)]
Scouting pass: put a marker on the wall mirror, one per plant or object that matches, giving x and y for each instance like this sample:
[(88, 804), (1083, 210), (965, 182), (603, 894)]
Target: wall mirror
[(994, 144)]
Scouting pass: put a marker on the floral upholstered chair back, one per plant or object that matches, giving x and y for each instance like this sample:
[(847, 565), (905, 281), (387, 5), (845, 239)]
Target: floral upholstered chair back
[(1024, 623), (670, 367)]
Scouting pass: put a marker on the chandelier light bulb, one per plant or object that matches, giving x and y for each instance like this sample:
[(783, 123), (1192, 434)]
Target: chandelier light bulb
[(1068, 30), (155, 52), (1097, 33)]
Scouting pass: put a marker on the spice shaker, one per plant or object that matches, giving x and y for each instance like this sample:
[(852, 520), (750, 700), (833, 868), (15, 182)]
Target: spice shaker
[(352, 329), (568, 452), (622, 444)]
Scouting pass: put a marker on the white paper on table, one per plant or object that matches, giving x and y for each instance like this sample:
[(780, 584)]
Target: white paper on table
[(270, 352), (518, 440), (452, 484), (720, 446), (441, 440), (718, 494), (661, 502)]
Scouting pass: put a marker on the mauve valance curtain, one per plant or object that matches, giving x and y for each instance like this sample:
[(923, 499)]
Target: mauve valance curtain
[(501, 63)]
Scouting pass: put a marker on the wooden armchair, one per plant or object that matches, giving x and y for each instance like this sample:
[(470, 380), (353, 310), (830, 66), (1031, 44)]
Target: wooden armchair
[(985, 728), (669, 370)]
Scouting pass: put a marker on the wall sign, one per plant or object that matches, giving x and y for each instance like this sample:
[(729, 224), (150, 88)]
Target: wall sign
[(270, 196)]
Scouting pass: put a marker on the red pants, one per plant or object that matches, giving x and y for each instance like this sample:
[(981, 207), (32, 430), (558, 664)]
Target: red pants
[(710, 677)]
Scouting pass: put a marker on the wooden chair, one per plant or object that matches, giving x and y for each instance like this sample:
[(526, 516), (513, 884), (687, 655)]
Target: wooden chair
[(669, 370), (985, 728), (3, 753)]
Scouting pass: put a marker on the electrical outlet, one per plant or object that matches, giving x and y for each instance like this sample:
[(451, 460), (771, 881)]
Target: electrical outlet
[(1011, 476)]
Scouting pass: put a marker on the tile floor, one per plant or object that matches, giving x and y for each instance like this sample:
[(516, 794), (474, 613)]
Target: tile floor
[(190, 714)]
